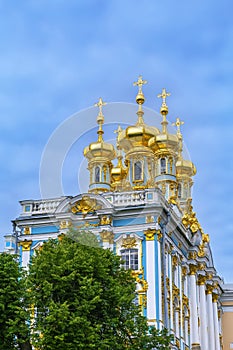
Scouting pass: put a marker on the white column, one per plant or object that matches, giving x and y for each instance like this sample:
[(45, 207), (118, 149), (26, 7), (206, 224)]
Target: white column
[(159, 281), (210, 318), (26, 247), (216, 324), (203, 314), (150, 276), (170, 290), (195, 343)]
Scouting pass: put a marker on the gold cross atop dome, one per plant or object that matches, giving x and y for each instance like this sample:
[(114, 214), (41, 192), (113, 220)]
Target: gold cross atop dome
[(100, 104), (164, 95), (139, 83), (100, 118), (178, 124)]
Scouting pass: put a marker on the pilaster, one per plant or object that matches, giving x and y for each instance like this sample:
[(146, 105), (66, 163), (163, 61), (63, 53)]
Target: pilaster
[(150, 277), (209, 289), (195, 343)]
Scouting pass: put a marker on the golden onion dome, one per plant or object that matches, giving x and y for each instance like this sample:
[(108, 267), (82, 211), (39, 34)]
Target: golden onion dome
[(100, 149), (164, 140), (136, 135), (185, 167), (140, 133)]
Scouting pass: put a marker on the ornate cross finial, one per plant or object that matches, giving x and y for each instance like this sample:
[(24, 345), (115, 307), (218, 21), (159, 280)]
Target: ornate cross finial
[(100, 118), (118, 131), (100, 104), (164, 95), (139, 83), (178, 124)]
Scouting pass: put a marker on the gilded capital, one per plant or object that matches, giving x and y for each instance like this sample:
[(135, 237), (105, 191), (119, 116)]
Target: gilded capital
[(214, 297), (192, 269), (174, 260), (26, 245), (184, 270), (159, 235), (149, 234), (201, 280), (209, 288)]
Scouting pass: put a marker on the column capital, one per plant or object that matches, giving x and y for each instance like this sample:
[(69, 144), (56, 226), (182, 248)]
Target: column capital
[(26, 245), (192, 269), (150, 234), (184, 270), (215, 297), (209, 288), (201, 280)]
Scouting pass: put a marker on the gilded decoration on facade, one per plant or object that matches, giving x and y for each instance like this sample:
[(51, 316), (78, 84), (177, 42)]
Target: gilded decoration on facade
[(85, 205), (26, 245), (129, 242), (201, 279), (189, 219), (202, 246), (107, 236), (27, 230), (193, 269), (105, 220), (65, 224), (149, 234)]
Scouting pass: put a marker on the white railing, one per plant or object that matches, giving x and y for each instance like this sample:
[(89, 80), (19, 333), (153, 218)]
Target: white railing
[(40, 206), (132, 198)]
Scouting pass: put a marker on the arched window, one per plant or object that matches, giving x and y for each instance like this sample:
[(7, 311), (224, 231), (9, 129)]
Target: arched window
[(97, 174), (163, 166), (130, 258), (137, 171)]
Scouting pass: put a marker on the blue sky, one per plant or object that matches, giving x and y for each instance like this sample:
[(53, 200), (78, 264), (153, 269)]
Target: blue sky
[(58, 57)]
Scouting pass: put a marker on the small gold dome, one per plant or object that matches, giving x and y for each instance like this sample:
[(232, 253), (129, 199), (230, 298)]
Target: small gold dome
[(185, 167), (163, 142), (99, 149), (136, 135)]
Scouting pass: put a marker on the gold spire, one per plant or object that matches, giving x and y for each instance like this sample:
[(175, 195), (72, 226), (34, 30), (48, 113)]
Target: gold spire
[(100, 118), (178, 124), (164, 108), (140, 98)]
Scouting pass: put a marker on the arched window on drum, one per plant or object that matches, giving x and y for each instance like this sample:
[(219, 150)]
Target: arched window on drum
[(137, 171), (163, 166), (97, 174)]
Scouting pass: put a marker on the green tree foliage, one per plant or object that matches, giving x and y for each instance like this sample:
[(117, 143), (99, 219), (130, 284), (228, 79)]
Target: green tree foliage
[(85, 300), (14, 314)]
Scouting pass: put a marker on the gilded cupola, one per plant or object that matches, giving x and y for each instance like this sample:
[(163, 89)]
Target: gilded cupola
[(134, 140), (139, 134), (165, 146), (100, 155)]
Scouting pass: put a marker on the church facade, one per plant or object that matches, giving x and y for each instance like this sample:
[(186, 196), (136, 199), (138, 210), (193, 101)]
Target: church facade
[(141, 208)]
